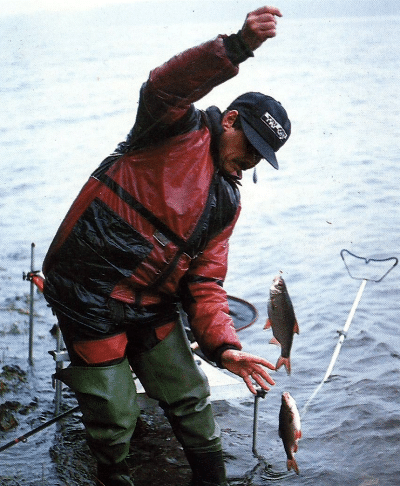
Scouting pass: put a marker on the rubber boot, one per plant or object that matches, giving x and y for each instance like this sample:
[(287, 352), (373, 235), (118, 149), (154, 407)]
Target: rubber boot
[(208, 468), (113, 475), (107, 399)]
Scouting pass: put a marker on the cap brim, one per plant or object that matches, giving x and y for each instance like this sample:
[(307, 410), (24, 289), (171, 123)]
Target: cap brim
[(259, 144)]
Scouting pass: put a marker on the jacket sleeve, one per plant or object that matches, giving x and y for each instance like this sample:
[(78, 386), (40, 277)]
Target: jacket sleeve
[(166, 99), (205, 300), (186, 78)]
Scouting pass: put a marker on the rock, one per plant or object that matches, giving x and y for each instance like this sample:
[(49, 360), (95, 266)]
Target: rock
[(14, 405), (7, 420), (13, 371), (3, 387)]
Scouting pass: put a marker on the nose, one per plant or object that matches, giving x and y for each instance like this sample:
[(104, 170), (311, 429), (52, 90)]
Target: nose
[(253, 154)]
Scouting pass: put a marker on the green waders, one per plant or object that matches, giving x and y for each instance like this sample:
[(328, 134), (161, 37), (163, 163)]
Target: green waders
[(169, 374), (107, 399)]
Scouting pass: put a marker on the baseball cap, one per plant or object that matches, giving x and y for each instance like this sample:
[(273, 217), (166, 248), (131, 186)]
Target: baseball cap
[(264, 122)]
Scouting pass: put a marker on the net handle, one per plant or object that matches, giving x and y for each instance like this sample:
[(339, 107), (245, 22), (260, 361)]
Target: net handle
[(367, 260)]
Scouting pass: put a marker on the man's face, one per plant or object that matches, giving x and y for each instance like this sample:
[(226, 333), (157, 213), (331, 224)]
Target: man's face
[(235, 151)]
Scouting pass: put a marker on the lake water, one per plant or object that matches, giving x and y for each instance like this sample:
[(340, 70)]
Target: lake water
[(69, 87)]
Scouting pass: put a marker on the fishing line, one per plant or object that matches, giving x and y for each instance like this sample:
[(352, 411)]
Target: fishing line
[(350, 261), (24, 438)]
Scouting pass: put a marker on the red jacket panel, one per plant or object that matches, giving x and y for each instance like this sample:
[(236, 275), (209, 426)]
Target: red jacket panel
[(156, 216)]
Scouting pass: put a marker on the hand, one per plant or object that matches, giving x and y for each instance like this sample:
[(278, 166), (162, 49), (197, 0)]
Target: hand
[(248, 366), (259, 26)]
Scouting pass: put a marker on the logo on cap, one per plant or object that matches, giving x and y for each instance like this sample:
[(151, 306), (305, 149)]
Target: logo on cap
[(271, 123)]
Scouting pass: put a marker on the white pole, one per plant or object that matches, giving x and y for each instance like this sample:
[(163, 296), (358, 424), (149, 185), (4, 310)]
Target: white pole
[(338, 345), (345, 329)]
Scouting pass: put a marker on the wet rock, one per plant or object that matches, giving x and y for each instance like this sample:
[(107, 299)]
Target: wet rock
[(13, 372), (7, 419), (10, 405), (11, 376), (4, 388)]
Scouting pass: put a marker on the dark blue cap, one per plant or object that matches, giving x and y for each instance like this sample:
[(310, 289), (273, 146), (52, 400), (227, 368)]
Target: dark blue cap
[(265, 123)]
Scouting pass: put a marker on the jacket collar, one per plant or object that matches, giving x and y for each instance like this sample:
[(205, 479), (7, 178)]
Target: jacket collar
[(213, 119)]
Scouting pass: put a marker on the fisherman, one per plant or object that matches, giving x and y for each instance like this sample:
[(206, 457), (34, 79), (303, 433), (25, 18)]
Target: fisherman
[(146, 239)]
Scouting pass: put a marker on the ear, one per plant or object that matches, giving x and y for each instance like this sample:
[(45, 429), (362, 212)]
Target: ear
[(229, 119)]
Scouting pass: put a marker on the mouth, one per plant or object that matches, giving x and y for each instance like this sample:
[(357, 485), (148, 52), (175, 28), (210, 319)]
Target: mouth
[(245, 165), (237, 166)]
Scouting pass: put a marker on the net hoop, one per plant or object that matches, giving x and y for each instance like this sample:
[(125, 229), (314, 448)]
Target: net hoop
[(344, 252)]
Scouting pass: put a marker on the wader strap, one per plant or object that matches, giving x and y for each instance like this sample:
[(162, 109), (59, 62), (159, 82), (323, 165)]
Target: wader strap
[(117, 310), (189, 247), (144, 212)]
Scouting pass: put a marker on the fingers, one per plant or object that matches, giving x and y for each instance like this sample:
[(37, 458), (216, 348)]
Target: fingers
[(250, 385), (259, 26), (264, 376), (263, 362), (261, 378), (249, 367), (268, 10)]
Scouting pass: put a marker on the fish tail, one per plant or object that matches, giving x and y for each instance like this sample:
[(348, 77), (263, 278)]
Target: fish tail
[(292, 464), (283, 361)]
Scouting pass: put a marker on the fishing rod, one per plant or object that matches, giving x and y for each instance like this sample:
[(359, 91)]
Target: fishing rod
[(24, 438), (342, 334), (236, 316)]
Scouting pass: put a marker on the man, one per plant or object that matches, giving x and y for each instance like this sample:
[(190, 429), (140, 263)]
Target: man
[(147, 235)]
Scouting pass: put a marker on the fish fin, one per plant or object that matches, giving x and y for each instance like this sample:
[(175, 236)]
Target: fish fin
[(296, 328), (283, 361), (267, 324), (298, 434), (292, 464), (275, 341)]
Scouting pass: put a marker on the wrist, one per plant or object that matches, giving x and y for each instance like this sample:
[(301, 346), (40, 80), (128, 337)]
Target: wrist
[(237, 49), (219, 352)]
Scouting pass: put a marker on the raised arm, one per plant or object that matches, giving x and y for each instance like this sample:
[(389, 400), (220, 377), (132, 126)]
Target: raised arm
[(166, 99)]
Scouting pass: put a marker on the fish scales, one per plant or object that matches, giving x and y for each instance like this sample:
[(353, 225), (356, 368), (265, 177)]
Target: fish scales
[(282, 320), (289, 429)]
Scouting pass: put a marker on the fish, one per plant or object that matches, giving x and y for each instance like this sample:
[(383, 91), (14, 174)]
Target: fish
[(282, 320), (289, 429)]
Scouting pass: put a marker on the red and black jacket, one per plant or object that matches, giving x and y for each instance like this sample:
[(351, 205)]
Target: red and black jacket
[(151, 226)]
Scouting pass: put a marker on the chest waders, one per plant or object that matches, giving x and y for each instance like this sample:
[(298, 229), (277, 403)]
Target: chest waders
[(168, 372)]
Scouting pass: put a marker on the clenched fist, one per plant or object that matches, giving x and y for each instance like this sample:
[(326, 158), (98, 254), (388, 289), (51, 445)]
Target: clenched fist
[(259, 26)]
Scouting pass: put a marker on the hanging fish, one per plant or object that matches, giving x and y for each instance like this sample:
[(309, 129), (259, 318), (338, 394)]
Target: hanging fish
[(282, 319), (289, 429)]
